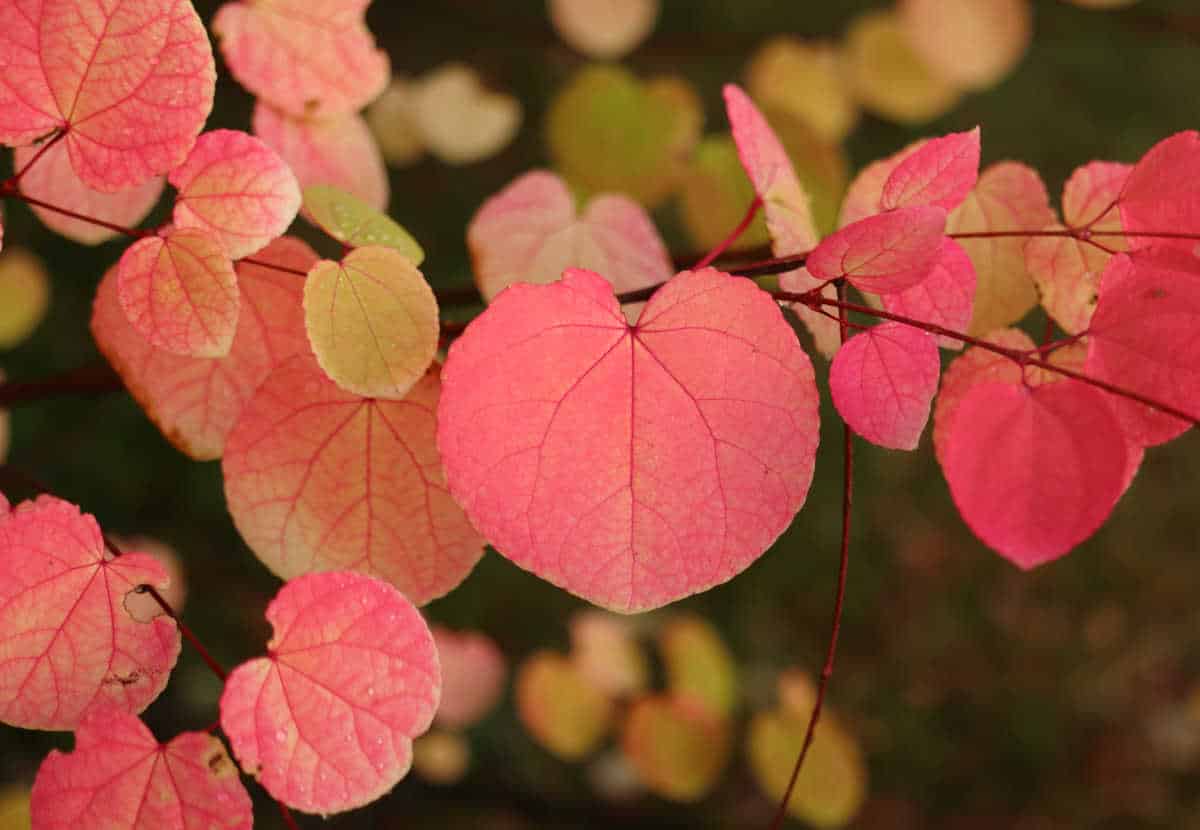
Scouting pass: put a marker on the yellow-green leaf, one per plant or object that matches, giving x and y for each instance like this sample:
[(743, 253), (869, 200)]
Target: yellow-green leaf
[(562, 710), (356, 224), (699, 664), (677, 746)]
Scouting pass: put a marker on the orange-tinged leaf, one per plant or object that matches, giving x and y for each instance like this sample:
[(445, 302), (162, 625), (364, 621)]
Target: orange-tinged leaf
[(132, 83), (119, 776), (305, 57), (606, 29), (563, 712), (238, 188), (619, 461), (66, 639), (325, 720), (180, 292), (320, 479), (678, 747), (1008, 197), (14, 807), (473, 675), (699, 665), (372, 321), (441, 757), (24, 295), (338, 150), (832, 785), (54, 180), (970, 43), (195, 401), (530, 232)]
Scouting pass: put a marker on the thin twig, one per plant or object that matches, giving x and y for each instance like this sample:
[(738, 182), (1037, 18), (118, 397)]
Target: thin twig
[(724, 244)]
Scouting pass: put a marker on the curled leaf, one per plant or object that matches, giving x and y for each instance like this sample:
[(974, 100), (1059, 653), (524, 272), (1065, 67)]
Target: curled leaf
[(325, 720)]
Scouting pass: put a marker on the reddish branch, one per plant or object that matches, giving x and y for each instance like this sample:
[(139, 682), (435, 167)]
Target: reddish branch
[(840, 598), (724, 244), (93, 379)]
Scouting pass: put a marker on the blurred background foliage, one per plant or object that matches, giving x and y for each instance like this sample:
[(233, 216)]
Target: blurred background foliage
[(971, 695)]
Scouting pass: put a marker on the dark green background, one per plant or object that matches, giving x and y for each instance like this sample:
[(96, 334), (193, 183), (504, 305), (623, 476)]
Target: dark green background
[(984, 697)]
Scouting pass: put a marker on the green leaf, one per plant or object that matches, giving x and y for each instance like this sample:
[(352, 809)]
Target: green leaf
[(353, 222)]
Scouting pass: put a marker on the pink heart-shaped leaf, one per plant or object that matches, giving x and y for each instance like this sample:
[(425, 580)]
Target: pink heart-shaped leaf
[(338, 150), (180, 292), (318, 478), (195, 401), (884, 253), (1034, 470), (66, 637), (54, 180), (1160, 195), (305, 57), (132, 83), (631, 465), (1143, 338), (530, 232), (883, 381), (946, 297), (120, 776), (325, 721), (238, 188), (941, 172)]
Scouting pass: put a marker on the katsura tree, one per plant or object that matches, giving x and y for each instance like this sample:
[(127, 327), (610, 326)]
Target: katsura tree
[(629, 431)]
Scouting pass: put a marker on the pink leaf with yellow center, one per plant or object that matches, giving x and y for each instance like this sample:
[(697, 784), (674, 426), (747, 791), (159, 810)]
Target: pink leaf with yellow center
[(238, 188), (306, 58), (338, 151), (473, 675), (372, 321), (631, 465), (884, 253), (1143, 338), (941, 173), (195, 401), (120, 776), (883, 381), (326, 720), (789, 216), (1067, 270), (54, 180), (530, 232), (66, 639), (180, 292), (945, 297), (318, 478), (1034, 470), (131, 83), (1159, 195)]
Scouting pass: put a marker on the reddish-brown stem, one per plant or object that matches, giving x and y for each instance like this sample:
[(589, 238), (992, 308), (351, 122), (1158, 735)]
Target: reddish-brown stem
[(724, 244), (839, 600), (54, 139), (115, 228), (1020, 357), (92, 379), (263, 263), (288, 819)]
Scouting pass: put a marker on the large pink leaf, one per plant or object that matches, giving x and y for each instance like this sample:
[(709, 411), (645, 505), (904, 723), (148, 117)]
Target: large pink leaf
[(305, 57), (326, 720), (1034, 470), (789, 216), (631, 465), (884, 253), (1008, 197), (120, 776), (473, 675), (944, 298), (338, 151), (1160, 193), (318, 478), (66, 638), (883, 381), (941, 173), (529, 232), (237, 187), (1143, 338), (180, 292), (52, 179), (195, 401), (131, 82), (1067, 270)]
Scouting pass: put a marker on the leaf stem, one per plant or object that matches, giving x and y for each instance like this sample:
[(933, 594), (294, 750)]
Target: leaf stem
[(91, 379), (839, 601), (58, 136), (724, 244)]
